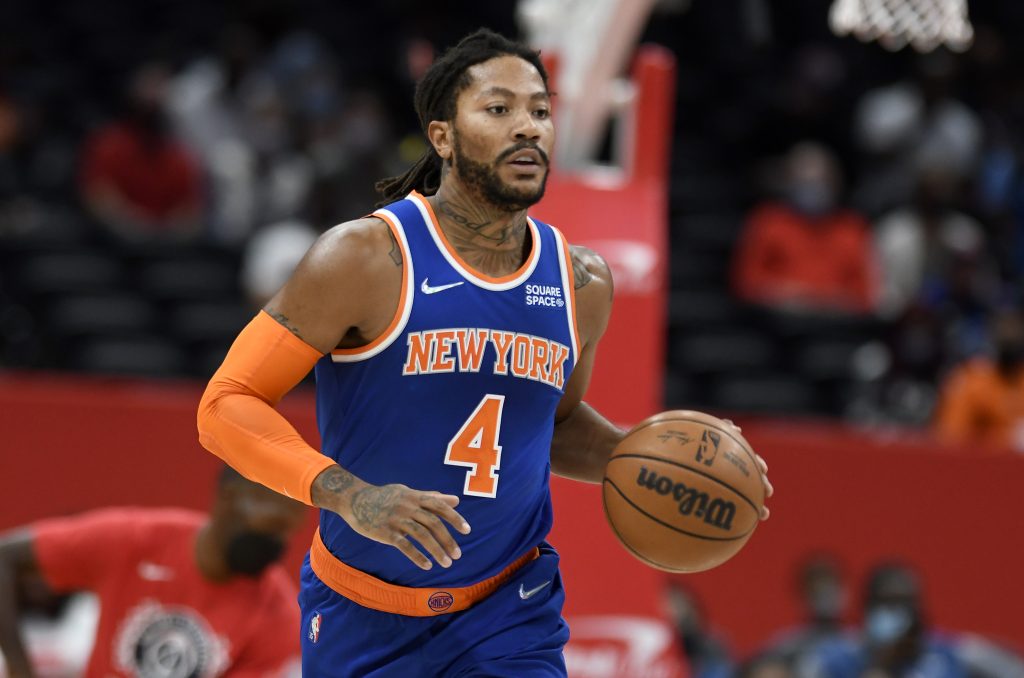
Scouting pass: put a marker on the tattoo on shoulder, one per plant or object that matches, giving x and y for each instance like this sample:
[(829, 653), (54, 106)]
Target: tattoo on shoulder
[(396, 251), (581, 276), (283, 319)]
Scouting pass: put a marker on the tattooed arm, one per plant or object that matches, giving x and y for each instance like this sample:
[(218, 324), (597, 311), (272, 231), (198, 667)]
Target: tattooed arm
[(583, 439), (344, 292), (392, 514), (360, 258)]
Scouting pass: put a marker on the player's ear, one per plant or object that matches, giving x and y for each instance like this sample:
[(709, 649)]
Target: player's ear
[(440, 135)]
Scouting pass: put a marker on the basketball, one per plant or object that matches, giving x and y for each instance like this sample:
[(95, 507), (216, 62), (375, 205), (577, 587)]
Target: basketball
[(683, 491)]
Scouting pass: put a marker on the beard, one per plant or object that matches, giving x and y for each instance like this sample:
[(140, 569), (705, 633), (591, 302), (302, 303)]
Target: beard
[(249, 553), (484, 179)]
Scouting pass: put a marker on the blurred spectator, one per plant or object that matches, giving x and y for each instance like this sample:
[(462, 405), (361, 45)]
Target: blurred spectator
[(58, 630), (200, 593), (895, 641), (931, 253), (982, 400), (985, 659), (938, 284), (270, 257), (250, 115), (806, 253), (137, 179), (766, 666), (707, 654), (824, 598), (914, 124), (10, 131)]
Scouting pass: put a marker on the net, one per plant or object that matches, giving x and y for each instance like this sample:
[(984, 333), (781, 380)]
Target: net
[(924, 24)]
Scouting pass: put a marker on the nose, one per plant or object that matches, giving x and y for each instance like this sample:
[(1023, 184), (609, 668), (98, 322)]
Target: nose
[(526, 127)]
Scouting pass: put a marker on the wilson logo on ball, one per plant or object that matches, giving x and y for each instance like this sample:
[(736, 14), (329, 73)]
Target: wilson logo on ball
[(716, 512)]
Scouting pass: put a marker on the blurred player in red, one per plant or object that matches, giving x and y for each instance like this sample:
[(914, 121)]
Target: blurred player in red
[(181, 594)]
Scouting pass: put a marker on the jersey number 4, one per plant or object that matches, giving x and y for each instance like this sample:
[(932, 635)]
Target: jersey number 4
[(476, 446)]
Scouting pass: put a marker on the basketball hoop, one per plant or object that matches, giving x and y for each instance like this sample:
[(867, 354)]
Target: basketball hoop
[(924, 24)]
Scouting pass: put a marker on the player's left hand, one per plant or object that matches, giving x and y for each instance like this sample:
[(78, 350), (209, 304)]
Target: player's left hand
[(769, 490)]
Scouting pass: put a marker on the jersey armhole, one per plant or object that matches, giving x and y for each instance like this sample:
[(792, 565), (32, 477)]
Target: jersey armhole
[(569, 284), (404, 309)]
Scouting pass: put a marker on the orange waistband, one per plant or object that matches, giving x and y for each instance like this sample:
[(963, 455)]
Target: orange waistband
[(373, 593)]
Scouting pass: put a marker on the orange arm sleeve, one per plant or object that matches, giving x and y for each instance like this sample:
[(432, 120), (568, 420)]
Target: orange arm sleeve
[(237, 420)]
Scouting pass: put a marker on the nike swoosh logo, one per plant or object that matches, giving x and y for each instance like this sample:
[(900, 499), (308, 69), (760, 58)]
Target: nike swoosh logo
[(427, 289), (526, 595), (153, 572)]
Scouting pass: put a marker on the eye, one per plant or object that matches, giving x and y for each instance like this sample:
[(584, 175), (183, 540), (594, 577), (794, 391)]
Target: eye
[(542, 113), (498, 109)]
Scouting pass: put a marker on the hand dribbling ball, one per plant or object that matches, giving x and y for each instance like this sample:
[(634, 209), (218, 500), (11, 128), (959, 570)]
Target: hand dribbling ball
[(683, 491)]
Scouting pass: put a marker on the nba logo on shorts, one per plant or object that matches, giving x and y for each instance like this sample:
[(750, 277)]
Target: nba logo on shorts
[(314, 627)]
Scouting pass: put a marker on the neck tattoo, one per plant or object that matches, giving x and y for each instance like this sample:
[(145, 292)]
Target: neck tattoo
[(494, 243)]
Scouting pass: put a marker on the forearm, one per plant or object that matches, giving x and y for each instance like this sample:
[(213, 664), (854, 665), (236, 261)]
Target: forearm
[(11, 645), (254, 439), (334, 488), (582, 443), (237, 420)]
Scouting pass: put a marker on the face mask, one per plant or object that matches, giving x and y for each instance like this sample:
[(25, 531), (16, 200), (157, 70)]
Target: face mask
[(887, 623), (811, 198), (249, 553), (827, 603)]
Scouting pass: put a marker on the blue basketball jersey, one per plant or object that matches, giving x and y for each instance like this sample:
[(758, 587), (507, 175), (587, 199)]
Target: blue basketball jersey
[(458, 395)]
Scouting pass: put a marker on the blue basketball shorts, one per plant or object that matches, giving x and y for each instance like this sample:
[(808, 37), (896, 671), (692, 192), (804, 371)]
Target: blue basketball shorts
[(518, 631)]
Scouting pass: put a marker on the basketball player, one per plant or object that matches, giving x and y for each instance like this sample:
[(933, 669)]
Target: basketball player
[(453, 339), (181, 594)]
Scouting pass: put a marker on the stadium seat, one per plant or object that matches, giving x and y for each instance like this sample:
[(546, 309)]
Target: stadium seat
[(189, 280), (204, 322), (765, 394), (142, 356), (96, 315), (723, 351), (696, 309), (69, 273), (825, 359)]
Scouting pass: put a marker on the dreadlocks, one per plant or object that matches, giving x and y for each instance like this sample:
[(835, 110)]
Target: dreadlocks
[(435, 100)]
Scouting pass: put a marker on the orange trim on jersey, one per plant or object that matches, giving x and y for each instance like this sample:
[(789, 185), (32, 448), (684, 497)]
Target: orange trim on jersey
[(534, 248), (237, 420), (376, 594), (569, 273), (400, 311)]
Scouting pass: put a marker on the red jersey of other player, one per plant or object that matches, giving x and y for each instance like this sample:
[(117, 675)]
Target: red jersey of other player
[(201, 594)]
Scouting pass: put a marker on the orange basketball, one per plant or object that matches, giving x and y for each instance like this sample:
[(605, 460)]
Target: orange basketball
[(683, 491)]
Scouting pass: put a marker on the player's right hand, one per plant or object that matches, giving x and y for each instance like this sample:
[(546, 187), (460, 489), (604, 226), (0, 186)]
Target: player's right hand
[(401, 516)]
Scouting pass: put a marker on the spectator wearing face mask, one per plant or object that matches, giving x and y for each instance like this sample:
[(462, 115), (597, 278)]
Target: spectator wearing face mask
[(137, 178), (201, 594), (982, 400), (806, 252), (707, 654), (823, 597), (895, 641)]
